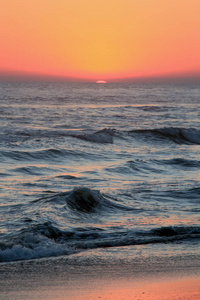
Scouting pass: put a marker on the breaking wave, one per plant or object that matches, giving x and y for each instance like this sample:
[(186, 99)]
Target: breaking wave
[(47, 240)]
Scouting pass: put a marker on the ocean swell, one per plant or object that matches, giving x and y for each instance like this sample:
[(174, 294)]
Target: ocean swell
[(177, 135), (104, 136), (84, 200)]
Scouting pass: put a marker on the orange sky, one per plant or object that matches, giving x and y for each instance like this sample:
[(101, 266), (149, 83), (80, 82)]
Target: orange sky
[(100, 39)]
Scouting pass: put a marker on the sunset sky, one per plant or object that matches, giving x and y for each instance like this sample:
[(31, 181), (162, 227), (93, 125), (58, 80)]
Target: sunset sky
[(100, 40)]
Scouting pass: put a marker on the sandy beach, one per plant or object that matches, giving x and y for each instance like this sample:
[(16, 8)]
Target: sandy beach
[(97, 277)]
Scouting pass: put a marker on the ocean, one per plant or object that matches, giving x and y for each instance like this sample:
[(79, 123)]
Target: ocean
[(88, 168)]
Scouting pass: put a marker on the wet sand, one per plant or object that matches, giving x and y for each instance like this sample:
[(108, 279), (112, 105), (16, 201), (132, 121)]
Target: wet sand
[(91, 278)]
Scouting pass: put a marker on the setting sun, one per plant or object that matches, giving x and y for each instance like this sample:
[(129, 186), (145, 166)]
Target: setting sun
[(101, 81)]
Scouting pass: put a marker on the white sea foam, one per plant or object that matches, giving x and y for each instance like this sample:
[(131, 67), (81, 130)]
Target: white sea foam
[(34, 247)]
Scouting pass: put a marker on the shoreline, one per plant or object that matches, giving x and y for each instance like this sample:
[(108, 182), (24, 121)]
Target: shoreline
[(92, 276)]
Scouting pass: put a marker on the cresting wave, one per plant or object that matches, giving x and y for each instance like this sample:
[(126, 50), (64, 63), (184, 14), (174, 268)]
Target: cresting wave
[(84, 200), (104, 136), (177, 135)]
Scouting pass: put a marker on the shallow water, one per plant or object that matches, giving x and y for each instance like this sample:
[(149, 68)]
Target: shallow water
[(88, 166)]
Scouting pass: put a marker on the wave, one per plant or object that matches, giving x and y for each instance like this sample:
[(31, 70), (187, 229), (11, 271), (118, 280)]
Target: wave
[(47, 240), (180, 162), (45, 154), (149, 166), (156, 108), (143, 166), (192, 194), (85, 200), (66, 176), (104, 136), (29, 170), (33, 155), (177, 135)]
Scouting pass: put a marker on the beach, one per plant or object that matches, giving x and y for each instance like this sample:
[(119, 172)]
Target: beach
[(95, 276)]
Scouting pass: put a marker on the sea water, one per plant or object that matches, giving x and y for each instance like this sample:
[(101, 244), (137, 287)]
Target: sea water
[(111, 166)]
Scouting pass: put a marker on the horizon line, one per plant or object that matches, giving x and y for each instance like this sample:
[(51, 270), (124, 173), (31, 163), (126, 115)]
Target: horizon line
[(162, 78)]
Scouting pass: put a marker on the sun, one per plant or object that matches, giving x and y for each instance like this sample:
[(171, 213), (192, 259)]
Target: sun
[(101, 81)]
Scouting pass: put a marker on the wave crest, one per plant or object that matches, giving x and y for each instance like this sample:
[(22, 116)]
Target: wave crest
[(85, 200), (177, 135), (104, 136)]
